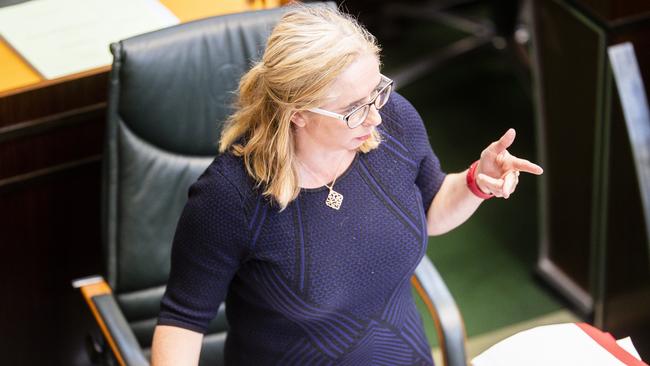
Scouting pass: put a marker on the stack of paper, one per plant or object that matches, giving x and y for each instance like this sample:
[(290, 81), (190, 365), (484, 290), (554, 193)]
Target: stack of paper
[(559, 345)]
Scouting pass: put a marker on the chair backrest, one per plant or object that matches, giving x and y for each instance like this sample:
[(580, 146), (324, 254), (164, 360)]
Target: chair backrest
[(170, 91)]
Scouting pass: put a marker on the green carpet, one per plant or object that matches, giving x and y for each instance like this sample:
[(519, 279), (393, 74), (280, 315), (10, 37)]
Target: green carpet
[(467, 103)]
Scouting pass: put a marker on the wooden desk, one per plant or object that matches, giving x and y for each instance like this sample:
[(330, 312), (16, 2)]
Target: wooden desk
[(51, 142), (16, 73)]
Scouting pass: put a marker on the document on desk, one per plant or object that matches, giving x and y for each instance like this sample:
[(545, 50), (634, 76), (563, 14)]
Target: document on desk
[(565, 344), (63, 37)]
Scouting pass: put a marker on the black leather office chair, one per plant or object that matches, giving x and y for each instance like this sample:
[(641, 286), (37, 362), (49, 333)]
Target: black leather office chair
[(169, 92)]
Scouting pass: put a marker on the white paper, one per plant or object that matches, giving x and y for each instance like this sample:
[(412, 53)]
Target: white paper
[(558, 345), (626, 344), (62, 37)]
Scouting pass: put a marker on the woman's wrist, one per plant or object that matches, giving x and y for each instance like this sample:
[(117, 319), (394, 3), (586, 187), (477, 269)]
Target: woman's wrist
[(472, 183)]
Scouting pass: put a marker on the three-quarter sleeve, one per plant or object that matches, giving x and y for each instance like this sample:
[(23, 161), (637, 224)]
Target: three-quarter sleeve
[(209, 245)]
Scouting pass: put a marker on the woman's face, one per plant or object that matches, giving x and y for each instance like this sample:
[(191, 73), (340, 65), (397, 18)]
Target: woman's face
[(354, 86)]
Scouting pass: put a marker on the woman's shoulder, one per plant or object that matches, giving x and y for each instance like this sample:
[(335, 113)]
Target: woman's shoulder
[(401, 122), (226, 177), (400, 110), (216, 213)]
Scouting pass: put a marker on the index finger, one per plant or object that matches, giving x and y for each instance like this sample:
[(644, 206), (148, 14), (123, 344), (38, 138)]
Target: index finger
[(526, 166), (504, 142)]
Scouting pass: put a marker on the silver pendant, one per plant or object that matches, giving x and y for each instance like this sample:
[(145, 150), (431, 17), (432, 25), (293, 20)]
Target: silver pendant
[(334, 199)]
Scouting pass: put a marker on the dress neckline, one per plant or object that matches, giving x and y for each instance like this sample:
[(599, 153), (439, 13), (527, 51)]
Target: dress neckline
[(337, 180)]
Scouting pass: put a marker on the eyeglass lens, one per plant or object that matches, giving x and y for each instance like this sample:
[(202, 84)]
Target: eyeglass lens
[(360, 115)]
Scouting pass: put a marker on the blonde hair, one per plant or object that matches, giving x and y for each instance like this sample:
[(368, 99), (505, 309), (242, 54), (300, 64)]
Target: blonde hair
[(307, 50)]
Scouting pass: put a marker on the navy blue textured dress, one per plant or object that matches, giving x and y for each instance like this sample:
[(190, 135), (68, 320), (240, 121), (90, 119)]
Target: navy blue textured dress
[(311, 285)]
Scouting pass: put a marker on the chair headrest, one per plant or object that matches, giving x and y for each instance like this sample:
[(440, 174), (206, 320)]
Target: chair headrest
[(181, 81)]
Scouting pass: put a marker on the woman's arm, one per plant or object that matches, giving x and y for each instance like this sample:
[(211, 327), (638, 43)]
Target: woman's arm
[(497, 173), (174, 346), (452, 205)]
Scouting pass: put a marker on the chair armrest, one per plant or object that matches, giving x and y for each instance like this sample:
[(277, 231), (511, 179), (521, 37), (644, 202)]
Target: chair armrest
[(111, 321), (442, 307)]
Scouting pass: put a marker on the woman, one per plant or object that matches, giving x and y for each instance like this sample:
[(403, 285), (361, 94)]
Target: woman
[(314, 216)]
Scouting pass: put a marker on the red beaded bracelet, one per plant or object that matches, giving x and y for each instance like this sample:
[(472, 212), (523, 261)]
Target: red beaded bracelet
[(471, 182)]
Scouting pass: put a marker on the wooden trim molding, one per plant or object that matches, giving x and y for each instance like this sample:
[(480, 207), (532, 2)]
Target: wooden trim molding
[(75, 116), (96, 289), (434, 315), (15, 181)]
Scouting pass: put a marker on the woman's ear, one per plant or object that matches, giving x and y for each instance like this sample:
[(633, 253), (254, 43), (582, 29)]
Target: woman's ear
[(299, 119)]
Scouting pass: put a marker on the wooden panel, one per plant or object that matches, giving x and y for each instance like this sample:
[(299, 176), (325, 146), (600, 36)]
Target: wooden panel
[(594, 230), (627, 270), (53, 97), (616, 11), (50, 235), (568, 56), (626, 287), (59, 146)]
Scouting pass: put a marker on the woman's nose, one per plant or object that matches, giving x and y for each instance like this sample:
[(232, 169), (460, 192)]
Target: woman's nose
[(373, 118)]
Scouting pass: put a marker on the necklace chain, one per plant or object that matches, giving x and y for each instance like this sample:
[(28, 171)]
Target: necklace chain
[(334, 199)]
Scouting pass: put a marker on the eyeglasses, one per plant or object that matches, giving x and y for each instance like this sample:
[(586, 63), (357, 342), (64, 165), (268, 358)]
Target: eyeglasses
[(358, 115)]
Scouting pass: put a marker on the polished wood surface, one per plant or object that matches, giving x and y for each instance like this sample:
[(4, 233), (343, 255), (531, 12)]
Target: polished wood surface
[(51, 144), (196, 9), (96, 289), (14, 71)]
